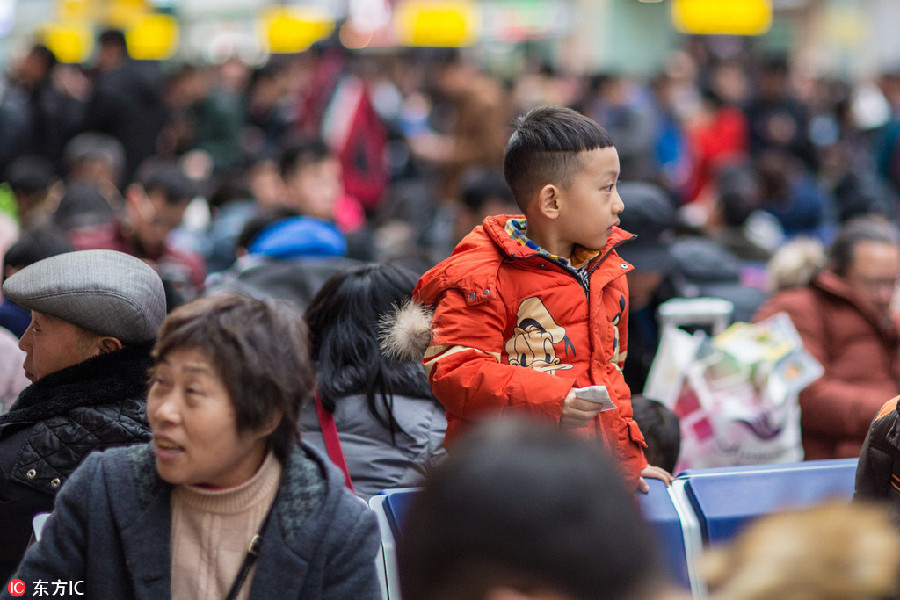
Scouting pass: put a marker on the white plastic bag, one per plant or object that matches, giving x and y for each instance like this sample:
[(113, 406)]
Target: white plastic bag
[(736, 393)]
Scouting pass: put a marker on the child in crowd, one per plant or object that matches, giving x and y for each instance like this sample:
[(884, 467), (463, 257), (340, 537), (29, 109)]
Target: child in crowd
[(528, 309), (661, 428)]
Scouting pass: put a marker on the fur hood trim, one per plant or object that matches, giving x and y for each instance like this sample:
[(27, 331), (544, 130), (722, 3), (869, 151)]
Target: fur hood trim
[(406, 334)]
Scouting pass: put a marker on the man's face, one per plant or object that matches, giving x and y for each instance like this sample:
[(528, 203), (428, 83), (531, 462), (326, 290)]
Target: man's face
[(874, 271), (153, 219), (51, 344)]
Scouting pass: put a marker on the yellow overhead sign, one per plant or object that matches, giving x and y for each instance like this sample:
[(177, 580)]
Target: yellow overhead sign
[(153, 37), (125, 13), (71, 42), (71, 10), (287, 30), (722, 17), (437, 23)]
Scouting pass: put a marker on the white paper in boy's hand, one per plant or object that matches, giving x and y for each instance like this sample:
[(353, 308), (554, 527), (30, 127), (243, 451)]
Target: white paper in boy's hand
[(596, 393)]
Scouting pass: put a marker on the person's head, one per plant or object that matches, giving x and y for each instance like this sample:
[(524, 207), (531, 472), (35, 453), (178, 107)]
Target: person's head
[(156, 204), (312, 178), (264, 182), (834, 551), (650, 215), (484, 192), (95, 158), (660, 426), (83, 304), (82, 205), (230, 373), (563, 169), (34, 246), (866, 254), (739, 195), (521, 506), (112, 49), (36, 65), (344, 320), (267, 84), (33, 182), (774, 78)]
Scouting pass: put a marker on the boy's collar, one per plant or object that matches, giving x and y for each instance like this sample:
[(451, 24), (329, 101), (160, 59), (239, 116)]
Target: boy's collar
[(516, 228)]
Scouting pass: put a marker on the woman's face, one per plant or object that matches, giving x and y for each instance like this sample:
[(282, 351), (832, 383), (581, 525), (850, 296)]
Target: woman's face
[(195, 436)]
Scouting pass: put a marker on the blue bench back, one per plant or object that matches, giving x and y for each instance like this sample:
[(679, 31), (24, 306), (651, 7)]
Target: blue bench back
[(705, 506), (726, 499), (396, 508)]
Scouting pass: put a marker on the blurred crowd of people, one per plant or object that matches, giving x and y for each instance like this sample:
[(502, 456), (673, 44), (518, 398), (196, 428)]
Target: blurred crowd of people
[(748, 151)]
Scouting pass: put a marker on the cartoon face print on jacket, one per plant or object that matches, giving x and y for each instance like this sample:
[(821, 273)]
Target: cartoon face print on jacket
[(534, 336)]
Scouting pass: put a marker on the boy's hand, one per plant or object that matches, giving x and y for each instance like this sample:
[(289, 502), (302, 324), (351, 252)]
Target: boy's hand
[(577, 412), (651, 472)]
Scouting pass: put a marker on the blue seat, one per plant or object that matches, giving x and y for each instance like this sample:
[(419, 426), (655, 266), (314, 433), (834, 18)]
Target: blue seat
[(726, 499), (390, 508), (659, 510), (396, 507)]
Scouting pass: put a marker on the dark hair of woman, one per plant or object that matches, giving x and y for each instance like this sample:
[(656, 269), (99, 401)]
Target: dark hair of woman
[(344, 322)]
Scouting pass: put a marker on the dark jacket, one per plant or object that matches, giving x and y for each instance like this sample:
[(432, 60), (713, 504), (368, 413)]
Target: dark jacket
[(54, 424), (111, 529), (860, 352), (878, 472), (127, 104)]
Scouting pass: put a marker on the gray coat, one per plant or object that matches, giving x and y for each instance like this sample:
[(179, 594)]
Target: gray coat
[(375, 462), (111, 524)]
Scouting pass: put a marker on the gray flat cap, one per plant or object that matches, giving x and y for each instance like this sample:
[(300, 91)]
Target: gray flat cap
[(103, 291)]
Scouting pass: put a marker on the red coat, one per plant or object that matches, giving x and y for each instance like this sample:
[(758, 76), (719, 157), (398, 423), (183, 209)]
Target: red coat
[(513, 331), (860, 353)]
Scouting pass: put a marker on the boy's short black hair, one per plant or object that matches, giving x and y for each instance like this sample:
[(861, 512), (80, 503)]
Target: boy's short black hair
[(519, 504), (544, 149)]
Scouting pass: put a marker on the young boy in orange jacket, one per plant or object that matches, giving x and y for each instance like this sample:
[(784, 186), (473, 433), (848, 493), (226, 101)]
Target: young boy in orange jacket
[(528, 309)]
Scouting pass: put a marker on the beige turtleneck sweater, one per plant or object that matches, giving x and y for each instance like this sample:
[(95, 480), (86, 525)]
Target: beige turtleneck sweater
[(211, 530)]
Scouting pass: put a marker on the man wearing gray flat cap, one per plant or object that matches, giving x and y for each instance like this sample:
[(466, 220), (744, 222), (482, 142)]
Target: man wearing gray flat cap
[(94, 317)]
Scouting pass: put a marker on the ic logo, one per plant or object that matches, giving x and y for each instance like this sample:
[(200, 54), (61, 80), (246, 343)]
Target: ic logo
[(16, 588)]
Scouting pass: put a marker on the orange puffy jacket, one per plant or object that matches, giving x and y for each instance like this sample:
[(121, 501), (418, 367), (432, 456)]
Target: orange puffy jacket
[(513, 331)]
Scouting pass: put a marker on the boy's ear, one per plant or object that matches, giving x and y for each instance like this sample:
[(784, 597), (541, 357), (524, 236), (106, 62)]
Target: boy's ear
[(548, 201)]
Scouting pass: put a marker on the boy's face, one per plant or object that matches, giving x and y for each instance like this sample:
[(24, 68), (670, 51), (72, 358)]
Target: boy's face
[(590, 205)]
